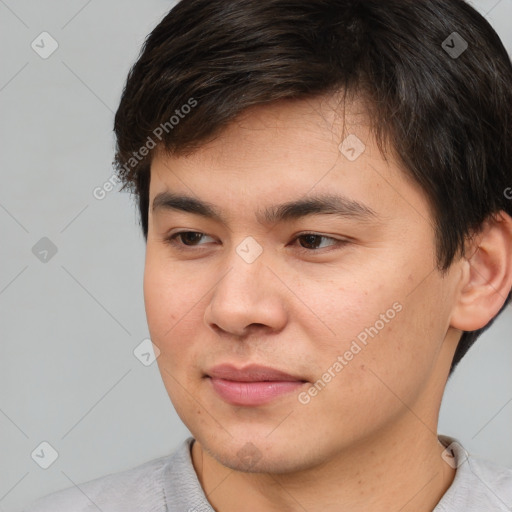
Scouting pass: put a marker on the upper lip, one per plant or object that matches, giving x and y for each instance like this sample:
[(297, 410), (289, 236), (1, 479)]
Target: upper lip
[(251, 373)]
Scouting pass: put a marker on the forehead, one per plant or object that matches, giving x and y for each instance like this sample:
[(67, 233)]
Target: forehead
[(324, 117), (285, 151), (279, 135)]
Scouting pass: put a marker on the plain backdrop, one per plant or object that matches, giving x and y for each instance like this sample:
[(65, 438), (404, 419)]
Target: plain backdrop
[(71, 302)]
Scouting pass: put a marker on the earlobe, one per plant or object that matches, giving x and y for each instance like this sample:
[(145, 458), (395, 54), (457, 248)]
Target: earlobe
[(487, 275)]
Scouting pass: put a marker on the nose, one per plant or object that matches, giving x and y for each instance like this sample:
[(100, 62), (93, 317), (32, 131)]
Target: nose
[(246, 298)]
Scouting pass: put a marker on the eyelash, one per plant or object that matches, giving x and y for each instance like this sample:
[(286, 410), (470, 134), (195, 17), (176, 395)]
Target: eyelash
[(171, 240)]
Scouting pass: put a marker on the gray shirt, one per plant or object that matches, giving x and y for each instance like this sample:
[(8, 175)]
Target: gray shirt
[(170, 484)]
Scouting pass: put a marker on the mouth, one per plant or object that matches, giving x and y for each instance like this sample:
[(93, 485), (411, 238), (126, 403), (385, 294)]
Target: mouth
[(252, 385)]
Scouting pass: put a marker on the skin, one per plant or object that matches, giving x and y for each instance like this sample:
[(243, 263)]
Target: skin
[(368, 440)]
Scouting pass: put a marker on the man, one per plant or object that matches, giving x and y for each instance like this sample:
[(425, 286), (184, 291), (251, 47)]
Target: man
[(323, 191)]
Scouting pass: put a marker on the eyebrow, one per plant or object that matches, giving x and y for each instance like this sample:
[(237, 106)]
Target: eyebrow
[(324, 204)]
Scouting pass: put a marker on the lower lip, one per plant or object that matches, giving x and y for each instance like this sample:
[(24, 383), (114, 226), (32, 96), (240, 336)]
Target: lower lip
[(252, 393)]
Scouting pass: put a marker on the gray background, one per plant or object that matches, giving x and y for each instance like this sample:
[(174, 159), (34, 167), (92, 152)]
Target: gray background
[(68, 375)]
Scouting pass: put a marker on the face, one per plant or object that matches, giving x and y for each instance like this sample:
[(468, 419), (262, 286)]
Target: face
[(347, 300)]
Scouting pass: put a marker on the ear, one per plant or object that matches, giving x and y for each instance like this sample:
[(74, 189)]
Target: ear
[(487, 275)]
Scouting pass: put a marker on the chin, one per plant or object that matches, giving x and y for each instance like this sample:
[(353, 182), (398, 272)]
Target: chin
[(258, 455)]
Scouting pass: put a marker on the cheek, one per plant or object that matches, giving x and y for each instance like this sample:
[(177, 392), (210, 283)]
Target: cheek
[(342, 310), (169, 299), (363, 324), (170, 295), (387, 344), (160, 307), (174, 301)]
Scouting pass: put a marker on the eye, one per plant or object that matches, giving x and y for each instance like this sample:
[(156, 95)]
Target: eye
[(184, 239), (313, 239), (187, 237)]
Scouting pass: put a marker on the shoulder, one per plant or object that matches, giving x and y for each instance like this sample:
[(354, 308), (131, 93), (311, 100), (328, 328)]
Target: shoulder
[(135, 489), (478, 485)]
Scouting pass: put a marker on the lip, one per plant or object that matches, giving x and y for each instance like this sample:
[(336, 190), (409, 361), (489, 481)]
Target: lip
[(252, 385), (251, 373)]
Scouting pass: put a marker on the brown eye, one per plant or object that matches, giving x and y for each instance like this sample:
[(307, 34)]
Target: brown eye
[(185, 239), (190, 237), (310, 242)]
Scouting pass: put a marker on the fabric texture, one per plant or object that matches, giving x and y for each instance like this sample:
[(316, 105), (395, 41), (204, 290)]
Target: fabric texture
[(170, 484)]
